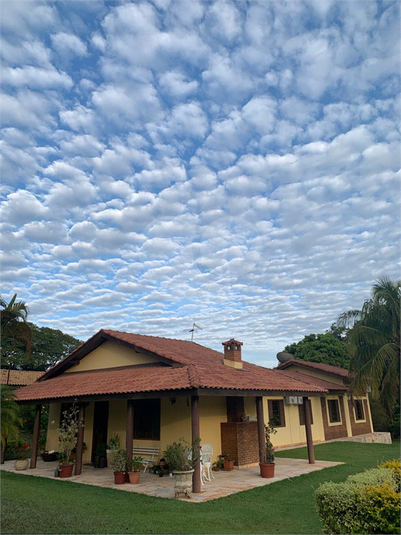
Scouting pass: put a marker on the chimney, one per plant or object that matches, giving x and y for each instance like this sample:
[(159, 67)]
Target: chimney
[(232, 354)]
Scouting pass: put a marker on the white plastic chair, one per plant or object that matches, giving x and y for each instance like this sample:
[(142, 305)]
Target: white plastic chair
[(206, 460)]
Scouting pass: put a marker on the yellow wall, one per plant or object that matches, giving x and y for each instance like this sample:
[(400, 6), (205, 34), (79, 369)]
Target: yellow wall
[(320, 375), (54, 422), (109, 355), (293, 432)]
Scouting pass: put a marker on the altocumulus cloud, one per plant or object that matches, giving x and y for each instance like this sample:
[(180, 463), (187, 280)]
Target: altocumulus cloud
[(229, 163)]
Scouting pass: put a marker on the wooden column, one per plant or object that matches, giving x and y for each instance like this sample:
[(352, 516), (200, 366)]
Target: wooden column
[(308, 430), (130, 429), (80, 439), (261, 429), (35, 438), (196, 477)]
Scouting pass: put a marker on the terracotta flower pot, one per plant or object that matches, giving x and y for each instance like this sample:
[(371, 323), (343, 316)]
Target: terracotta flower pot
[(21, 464), (228, 466), (65, 470), (134, 477), (267, 469), (119, 478)]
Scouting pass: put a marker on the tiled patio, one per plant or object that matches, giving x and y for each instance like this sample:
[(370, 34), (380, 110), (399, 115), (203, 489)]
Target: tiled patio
[(224, 483)]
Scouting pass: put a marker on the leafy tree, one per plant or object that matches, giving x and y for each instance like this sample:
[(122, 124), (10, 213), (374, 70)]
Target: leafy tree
[(48, 347), (15, 330), (10, 418), (324, 348), (374, 339)]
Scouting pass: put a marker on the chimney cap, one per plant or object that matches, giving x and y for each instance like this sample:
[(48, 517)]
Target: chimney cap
[(232, 341)]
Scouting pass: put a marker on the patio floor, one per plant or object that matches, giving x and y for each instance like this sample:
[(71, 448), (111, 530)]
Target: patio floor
[(223, 484)]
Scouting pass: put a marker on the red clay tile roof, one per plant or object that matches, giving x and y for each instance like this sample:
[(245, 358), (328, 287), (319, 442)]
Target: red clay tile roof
[(200, 367), (327, 368), (308, 379), (19, 377)]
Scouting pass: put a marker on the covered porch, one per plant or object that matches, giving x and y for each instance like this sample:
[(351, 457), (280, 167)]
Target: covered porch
[(243, 440), (223, 484)]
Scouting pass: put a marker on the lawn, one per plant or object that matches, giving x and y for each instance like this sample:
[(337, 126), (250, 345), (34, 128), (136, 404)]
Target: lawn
[(36, 505)]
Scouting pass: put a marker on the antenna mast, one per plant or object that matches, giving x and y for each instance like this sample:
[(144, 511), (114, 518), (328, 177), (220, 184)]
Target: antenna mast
[(194, 326)]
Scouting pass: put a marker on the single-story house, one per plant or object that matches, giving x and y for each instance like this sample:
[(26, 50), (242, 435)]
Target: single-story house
[(18, 377), (151, 391)]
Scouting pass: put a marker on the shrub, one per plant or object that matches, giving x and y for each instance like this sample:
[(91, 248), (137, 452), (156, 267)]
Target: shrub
[(364, 503), (395, 467)]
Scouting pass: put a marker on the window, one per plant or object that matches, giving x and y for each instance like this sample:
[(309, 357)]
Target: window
[(301, 411), (276, 412), (147, 419), (359, 412), (334, 411)]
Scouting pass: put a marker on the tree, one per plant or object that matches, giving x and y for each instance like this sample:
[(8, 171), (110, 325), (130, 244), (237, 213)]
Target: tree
[(10, 419), (14, 328), (324, 348), (48, 347), (374, 339)]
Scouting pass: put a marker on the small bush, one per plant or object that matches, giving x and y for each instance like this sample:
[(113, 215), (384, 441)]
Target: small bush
[(368, 502), (395, 467)]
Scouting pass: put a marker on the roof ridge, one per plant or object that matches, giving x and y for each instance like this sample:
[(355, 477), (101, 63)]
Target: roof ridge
[(193, 375)]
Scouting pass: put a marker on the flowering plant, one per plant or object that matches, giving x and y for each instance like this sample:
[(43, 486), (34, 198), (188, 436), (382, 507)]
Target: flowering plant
[(67, 432), (23, 451)]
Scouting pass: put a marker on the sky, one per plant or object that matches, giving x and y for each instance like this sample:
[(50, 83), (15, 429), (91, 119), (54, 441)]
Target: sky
[(231, 163)]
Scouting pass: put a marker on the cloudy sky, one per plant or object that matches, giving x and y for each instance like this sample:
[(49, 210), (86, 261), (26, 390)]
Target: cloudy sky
[(229, 163)]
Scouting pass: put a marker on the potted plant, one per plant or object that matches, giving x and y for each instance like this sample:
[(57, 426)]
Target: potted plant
[(74, 451), (228, 463), (67, 433), (22, 454), (135, 472), (119, 466), (218, 465), (182, 457), (100, 455), (113, 445), (267, 466)]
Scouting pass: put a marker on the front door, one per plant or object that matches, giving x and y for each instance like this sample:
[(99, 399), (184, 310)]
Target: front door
[(100, 420)]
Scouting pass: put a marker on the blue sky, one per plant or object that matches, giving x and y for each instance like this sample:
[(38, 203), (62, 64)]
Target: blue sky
[(229, 163)]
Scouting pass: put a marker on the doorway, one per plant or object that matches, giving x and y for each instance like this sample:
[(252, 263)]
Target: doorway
[(100, 422)]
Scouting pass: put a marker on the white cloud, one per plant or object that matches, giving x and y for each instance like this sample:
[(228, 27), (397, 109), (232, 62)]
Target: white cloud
[(67, 43)]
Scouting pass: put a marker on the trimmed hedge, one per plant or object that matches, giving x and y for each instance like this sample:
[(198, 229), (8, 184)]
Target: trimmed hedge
[(368, 502)]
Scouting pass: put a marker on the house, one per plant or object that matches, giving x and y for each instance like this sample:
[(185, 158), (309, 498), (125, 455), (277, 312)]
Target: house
[(18, 377), (342, 415), (151, 391)]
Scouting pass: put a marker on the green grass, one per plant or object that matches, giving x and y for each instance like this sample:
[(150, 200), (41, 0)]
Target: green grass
[(36, 505)]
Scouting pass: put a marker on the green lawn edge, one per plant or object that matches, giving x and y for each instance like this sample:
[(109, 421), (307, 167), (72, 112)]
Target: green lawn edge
[(32, 505)]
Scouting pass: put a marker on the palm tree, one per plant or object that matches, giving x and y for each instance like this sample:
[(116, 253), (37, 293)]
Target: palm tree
[(374, 338), (10, 420), (14, 327)]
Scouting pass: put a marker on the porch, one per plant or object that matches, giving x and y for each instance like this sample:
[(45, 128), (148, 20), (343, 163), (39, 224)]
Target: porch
[(224, 483)]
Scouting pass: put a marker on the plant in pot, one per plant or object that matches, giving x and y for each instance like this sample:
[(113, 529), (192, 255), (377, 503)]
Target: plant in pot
[(67, 433), (22, 454), (135, 472), (228, 462), (100, 455), (113, 445), (267, 466), (182, 457), (119, 466)]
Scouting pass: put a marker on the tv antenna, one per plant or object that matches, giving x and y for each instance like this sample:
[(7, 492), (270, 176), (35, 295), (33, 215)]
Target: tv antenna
[(194, 326)]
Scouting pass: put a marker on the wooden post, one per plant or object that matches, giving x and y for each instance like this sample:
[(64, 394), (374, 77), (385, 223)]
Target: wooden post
[(196, 477), (130, 429), (80, 439), (261, 428), (35, 438), (308, 430)]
